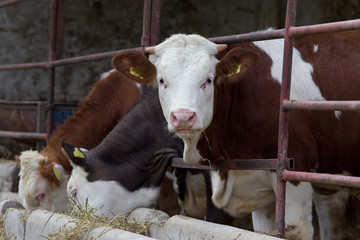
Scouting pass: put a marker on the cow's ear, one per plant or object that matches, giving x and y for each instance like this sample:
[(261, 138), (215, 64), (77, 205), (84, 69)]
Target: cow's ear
[(234, 65), (75, 154), (59, 172), (17, 159), (136, 66)]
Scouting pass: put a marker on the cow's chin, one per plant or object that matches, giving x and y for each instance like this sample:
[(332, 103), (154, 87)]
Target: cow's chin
[(191, 154)]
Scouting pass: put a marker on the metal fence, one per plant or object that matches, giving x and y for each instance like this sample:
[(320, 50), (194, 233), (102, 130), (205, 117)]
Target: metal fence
[(150, 36)]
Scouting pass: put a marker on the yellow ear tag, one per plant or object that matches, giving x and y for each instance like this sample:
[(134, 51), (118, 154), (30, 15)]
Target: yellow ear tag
[(57, 173), (238, 69), (135, 73), (78, 153)]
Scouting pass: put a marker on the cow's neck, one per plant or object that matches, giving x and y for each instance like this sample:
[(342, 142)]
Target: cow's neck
[(191, 154), (136, 144), (245, 122)]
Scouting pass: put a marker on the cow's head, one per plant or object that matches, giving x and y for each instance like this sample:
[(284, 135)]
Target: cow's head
[(104, 197), (185, 69), (35, 190)]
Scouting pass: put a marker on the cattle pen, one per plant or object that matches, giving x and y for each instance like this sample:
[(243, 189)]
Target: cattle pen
[(150, 36)]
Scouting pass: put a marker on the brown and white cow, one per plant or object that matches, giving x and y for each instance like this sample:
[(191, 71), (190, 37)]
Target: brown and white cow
[(126, 169), (229, 109), (44, 175)]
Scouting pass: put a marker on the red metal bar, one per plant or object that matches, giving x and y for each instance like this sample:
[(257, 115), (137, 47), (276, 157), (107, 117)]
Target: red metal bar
[(243, 164), (325, 28), (10, 2), (52, 56), (155, 22), (330, 179), (322, 105), (248, 37), (60, 29), (67, 61), (283, 136), (145, 39), (22, 135)]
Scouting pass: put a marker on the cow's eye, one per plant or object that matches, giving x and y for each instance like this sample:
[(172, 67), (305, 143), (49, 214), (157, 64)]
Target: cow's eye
[(162, 83), (74, 193), (206, 83)]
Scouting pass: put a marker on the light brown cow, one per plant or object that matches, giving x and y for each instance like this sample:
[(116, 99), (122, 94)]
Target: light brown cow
[(44, 175)]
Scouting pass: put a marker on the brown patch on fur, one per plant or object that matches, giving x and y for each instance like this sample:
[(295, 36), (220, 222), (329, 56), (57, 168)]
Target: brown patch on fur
[(228, 65), (17, 159), (223, 174), (128, 60), (108, 101)]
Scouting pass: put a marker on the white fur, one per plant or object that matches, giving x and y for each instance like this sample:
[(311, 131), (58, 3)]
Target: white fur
[(194, 204), (108, 198), (254, 191), (303, 87), (106, 74), (316, 47), (330, 210), (302, 84), (31, 183)]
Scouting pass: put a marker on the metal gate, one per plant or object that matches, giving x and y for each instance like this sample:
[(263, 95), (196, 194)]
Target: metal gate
[(150, 36)]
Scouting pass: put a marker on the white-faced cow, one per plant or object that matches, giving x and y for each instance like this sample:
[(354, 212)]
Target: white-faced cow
[(44, 175), (126, 169), (229, 109)]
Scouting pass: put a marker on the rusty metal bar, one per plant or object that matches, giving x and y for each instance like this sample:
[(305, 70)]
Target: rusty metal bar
[(237, 164), (22, 135), (321, 178), (248, 37), (145, 39), (60, 26), (155, 22), (10, 2), (325, 28), (283, 137), (322, 105), (67, 61), (52, 56)]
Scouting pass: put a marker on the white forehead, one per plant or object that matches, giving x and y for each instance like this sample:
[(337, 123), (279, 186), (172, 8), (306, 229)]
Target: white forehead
[(29, 163), (190, 53)]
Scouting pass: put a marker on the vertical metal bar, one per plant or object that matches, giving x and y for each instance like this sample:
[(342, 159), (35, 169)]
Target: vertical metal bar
[(284, 119), (51, 57), (155, 22), (60, 29), (145, 39)]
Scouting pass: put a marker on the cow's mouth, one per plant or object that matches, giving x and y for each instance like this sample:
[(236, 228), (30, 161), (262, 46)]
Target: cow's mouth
[(187, 133)]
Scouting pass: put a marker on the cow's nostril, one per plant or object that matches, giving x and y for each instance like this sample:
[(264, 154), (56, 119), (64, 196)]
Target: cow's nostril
[(183, 119)]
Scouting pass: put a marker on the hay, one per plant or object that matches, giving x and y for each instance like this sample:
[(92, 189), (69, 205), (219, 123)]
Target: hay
[(2, 230), (85, 220)]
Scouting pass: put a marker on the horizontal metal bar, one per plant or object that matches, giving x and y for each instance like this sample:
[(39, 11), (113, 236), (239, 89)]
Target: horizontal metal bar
[(330, 179), (322, 105), (23, 135), (10, 2), (325, 28), (237, 164), (66, 61), (248, 37)]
